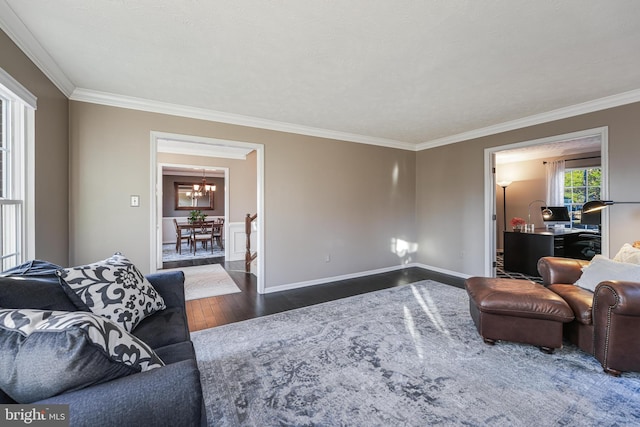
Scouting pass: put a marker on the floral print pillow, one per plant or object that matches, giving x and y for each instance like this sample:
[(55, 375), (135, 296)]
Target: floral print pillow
[(113, 288), (71, 350)]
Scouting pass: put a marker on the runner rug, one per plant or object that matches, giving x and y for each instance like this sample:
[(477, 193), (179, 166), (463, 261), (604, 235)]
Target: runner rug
[(205, 281)]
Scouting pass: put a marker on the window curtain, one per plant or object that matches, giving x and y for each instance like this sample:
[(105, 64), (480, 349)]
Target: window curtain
[(555, 183)]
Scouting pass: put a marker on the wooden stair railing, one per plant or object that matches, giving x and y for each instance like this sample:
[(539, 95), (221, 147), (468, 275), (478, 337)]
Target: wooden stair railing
[(248, 256)]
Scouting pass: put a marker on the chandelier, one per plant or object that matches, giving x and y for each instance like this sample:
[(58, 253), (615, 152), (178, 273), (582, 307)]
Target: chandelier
[(203, 188)]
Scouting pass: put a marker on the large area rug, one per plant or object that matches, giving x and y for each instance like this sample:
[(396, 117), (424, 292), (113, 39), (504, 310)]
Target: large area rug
[(407, 356), (205, 281)]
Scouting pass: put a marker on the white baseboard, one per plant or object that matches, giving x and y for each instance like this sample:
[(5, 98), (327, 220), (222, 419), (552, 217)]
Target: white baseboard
[(298, 285), (441, 270)]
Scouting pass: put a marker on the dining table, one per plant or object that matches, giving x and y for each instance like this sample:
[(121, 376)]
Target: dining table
[(203, 227)]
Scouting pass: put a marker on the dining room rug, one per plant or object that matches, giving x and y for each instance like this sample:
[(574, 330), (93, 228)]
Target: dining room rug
[(205, 281), (407, 356), (169, 252)]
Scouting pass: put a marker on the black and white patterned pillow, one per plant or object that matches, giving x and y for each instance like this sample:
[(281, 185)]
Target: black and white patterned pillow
[(44, 353), (113, 288)]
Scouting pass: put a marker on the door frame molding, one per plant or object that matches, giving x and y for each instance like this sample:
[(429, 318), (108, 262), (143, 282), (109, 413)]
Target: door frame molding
[(490, 187), (207, 145)]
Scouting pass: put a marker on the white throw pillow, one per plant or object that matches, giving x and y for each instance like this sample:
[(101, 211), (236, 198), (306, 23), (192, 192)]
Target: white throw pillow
[(628, 254), (113, 288), (601, 268)]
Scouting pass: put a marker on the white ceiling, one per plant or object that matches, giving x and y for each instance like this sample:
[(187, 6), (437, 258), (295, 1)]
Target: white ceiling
[(411, 74), (572, 147)]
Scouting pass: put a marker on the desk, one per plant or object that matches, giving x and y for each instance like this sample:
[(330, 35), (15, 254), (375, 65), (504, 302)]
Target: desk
[(522, 250)]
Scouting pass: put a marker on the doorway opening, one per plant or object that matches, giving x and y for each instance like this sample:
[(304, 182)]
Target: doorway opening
[(193, 151), (566, 145), (180, 201)]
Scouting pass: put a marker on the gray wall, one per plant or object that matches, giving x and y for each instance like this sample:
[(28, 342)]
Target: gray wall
[(169, 195), (51, 154), (450, 196), (242, 180)]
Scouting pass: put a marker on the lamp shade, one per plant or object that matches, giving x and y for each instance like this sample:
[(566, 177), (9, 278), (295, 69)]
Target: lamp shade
[(595, 205)]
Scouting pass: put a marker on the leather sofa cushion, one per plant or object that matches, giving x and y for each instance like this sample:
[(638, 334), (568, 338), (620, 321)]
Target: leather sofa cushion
[(580, 300)]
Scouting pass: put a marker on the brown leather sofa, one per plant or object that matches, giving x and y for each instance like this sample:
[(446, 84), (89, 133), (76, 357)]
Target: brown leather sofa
[(607, 321)]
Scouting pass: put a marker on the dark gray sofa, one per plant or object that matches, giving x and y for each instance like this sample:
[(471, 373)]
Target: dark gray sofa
[(167, 396)]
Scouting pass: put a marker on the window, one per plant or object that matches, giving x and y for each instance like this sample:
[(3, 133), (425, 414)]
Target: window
[(580, 186), (17, 120)]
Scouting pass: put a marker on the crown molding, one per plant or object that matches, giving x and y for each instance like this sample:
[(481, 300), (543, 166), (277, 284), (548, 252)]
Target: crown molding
[(11, 24), (22, 37), (114, 100), (561, 113)]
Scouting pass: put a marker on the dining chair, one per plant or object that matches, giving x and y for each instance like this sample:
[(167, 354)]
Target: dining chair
[(202, 232), (217, 232), (181, 234)]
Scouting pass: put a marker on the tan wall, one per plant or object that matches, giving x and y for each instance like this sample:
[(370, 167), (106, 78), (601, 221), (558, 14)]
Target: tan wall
[(450, 196), (322, 197), (51, 154)]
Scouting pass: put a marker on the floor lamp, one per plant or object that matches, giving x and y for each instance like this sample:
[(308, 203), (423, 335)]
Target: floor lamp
[(504, 185)]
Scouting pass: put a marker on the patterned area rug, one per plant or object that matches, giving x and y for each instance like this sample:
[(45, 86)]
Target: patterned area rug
[(500, 272), (169, 252), (205, 281), (406, 356)]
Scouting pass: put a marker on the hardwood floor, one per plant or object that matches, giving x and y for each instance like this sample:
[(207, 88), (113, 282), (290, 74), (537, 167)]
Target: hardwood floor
[(192, 262), (216, 311)]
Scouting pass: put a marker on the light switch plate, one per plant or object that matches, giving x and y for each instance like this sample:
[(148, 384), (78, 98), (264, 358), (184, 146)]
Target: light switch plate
[(135, 201)]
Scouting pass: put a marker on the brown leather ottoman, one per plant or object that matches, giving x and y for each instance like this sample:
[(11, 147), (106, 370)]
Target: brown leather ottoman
[(517, 310)]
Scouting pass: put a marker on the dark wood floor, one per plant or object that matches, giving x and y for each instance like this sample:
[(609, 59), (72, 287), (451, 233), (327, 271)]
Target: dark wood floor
[(215, 311)]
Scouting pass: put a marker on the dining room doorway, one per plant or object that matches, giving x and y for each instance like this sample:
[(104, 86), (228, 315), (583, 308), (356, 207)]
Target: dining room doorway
[(192, 151), (193, 193)]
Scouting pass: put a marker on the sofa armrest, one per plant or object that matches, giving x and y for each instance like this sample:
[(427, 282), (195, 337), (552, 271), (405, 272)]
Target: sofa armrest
[(616, 321), (167, 396), (170, 285), (560, 270), (622, 298)]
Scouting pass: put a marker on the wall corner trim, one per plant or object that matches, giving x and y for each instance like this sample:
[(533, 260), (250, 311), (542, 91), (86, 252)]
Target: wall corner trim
[(22, 37), (558, 114), (115, 100)]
